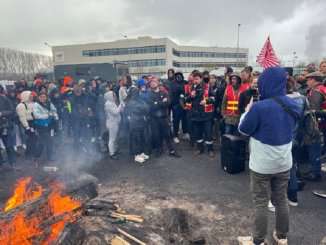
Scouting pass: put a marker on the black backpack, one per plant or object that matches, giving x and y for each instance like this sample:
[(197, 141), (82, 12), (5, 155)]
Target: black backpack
[(308, 131)]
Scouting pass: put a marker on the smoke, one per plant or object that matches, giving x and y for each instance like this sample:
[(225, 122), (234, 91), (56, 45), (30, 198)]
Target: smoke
[(315, 45)]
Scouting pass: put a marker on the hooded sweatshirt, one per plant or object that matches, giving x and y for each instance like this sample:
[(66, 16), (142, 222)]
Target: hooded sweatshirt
[(113, 117), (24, 110), (269, 126)]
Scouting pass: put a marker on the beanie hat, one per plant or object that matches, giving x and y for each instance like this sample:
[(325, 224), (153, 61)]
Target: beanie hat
[(141, 83)]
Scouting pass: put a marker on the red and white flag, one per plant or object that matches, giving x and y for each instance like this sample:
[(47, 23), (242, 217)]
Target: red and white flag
[(267, 57)]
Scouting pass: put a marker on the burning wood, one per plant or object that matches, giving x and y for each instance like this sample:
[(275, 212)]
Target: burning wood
[(36, 216)]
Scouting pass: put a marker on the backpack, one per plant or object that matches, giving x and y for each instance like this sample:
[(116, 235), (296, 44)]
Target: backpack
[(308, 131)]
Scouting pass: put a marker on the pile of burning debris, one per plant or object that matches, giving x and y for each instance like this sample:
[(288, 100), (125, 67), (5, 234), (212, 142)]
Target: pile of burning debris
[(34, 215), (66, 213)]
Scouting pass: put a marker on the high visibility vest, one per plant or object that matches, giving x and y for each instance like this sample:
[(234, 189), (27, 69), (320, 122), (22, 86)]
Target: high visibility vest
[(188, 89), (233, 100), (208, 107), (321, 89)]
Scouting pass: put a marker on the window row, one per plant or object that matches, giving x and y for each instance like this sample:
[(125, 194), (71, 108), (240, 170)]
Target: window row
[(145, 63), (124, 51), (205, 64), (207, 54)]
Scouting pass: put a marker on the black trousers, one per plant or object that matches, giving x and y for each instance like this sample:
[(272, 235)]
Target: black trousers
[(44, 139), (82, 134), (137, 138), (178, 114), (161, 132), (8, 143), (204, 131)]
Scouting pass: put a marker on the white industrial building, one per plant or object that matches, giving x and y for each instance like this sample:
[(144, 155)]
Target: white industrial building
[(146, 55)]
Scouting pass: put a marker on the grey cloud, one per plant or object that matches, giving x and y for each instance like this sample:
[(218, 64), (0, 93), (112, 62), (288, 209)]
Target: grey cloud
[(315, 41)]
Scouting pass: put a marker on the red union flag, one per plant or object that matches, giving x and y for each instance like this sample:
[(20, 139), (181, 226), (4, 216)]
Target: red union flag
[(267, 57)]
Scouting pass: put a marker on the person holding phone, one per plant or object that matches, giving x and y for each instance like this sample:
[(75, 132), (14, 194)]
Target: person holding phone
[(246, 96)]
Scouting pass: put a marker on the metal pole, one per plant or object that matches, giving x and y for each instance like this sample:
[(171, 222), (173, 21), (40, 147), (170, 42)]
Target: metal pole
[(52, 60), (238, 44), (293, 58)]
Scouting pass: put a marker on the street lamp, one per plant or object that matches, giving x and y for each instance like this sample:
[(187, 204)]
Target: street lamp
[(238, 44), (294, 57), (46, 44), (126, 37)]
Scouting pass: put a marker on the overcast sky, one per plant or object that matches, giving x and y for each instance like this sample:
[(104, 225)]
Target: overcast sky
[(294, 25)]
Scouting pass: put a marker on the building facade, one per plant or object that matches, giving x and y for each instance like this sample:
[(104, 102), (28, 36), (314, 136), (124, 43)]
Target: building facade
[(146, 55)]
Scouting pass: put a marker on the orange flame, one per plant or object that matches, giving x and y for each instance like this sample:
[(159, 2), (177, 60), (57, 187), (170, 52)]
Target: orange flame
[(24, 191), (24, 230)]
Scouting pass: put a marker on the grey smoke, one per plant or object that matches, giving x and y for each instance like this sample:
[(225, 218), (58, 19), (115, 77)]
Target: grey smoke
[(315, 45)]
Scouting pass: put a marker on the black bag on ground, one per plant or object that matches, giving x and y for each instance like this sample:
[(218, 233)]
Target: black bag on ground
[(233, 154)]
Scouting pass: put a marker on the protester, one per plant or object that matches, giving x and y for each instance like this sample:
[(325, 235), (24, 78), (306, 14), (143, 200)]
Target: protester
[(7, 113), (246, 96), (270, 124), (229, 109), (202, 98), (113, 119), (246, 77), (159, 102), (44, 114), (136, 111)]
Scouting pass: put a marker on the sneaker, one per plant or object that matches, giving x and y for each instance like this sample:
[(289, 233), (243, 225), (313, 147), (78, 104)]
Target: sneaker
[(280, 241), (174, 154), (15, 148), (186, 137), (292, 203), (246, 240), (24, 146), (143, 155), (323, 167), (93, 139), (139, 159), (176, 140), (271, 207)]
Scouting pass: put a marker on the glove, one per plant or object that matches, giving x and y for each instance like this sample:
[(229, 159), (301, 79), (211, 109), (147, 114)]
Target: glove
[(30, 131)]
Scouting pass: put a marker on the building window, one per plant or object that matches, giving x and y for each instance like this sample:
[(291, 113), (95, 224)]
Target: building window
[(145, 63), (205, 64), (124, 51), (207, 54)]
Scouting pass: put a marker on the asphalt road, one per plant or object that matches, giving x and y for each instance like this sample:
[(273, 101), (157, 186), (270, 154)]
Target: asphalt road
[(221, 203)]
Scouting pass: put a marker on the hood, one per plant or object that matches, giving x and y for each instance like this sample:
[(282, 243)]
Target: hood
[(238, 77), (171, 69), (67, 80), (101, 88), (272, 82), (109, 97), (229, 70), (179, 73), (25, 96)]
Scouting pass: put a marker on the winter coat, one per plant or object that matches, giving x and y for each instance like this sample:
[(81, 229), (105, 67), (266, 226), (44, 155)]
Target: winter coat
[(158, 107), (198, 111), (112, 111), (24, 110), (41, 113), (57, 102), (7, 113), (245, 98), (79, 107), (269, 126), (123, 94), (137, 112)]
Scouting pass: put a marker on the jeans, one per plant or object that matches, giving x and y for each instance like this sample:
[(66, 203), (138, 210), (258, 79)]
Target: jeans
[(8, 143), (231, 129), (178, 114), (314, 151), (260, 186)]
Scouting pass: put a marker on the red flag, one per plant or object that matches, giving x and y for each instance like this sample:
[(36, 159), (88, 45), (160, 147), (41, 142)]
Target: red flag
[(267, 57)]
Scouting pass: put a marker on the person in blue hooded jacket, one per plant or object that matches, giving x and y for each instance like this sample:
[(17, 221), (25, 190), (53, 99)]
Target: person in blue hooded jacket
[(270, 126)]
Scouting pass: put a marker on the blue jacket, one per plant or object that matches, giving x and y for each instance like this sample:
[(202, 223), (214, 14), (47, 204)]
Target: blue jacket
[(266, 120), (269, 126)]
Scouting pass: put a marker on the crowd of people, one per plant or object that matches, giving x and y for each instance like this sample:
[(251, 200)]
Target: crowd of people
[(200, 109)]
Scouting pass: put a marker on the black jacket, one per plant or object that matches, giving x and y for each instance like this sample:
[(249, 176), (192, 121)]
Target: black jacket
[(198, 111), (137, 113), (79, 107), (7, 113), (158, 108)]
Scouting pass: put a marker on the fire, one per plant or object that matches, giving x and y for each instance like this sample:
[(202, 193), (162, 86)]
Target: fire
[(24, 230), (24, 191)]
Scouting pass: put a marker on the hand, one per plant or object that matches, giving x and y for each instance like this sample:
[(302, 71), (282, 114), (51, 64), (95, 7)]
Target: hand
[(250, 104), (193, 93), (165, 100), (129, 118), (203, 102), (51, 114)]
